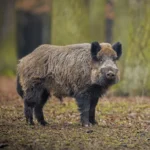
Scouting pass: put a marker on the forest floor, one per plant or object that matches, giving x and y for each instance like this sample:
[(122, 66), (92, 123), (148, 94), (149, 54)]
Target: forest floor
[(124, 123)]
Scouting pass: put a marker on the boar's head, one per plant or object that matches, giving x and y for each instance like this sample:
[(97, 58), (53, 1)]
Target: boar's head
[(104, 71)]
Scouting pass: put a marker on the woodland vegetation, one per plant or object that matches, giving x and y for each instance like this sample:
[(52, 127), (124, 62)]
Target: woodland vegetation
[(85, 21)]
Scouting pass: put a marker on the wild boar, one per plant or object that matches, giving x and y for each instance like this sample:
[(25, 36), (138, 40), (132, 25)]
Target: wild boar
[(82, 71)]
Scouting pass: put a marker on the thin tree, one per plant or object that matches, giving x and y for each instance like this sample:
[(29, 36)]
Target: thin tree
[(33, 24)]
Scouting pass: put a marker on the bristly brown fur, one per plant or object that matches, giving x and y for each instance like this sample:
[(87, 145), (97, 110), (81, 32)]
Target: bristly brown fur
[(60, 66), (72, 70), (106, 50)]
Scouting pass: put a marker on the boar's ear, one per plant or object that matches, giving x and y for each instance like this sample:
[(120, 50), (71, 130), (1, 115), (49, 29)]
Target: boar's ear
[(118, 48), (95, 48)]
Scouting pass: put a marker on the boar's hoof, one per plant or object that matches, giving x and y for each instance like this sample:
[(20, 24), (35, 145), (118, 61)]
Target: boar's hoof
[(31, 123), (86, 124), (94, 122), (43, 123)]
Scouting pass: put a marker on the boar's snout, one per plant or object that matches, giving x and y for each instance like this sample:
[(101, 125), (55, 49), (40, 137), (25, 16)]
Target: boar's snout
[(110, 75), (109, 72)]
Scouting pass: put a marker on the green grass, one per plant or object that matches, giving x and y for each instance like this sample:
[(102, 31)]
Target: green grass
[(8, 56), (124, 123)]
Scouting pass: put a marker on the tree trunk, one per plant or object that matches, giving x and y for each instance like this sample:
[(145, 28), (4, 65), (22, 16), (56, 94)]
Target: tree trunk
[(109, 12), (33, 25), (6, 18)]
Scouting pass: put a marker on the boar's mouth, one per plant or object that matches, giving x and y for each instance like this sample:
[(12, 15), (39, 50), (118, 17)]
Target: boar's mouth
[(105, 82)]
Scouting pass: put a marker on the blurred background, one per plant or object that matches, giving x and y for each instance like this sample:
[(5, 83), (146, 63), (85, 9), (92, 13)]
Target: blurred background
[(26, 24)]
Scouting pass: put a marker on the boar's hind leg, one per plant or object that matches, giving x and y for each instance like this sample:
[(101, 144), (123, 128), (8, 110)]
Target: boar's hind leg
[(28, 110), (38, 110), (84, 107), (92, 111), (29, 103)]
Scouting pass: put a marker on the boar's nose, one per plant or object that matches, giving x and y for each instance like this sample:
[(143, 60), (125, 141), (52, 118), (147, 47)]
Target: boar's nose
[(110, 75)]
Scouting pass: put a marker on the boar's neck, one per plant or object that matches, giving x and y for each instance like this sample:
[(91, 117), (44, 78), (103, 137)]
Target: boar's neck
[(97, 90), (93, 91)]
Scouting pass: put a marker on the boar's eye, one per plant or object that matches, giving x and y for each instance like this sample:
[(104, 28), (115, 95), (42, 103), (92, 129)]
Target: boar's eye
[(114, 58), (101, 60)]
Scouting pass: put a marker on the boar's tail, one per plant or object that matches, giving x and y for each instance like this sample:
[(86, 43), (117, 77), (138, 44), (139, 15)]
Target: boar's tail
[(19, 87)]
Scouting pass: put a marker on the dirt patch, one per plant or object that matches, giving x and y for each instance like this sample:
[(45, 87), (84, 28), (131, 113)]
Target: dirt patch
[(7, 88), (124, 123)]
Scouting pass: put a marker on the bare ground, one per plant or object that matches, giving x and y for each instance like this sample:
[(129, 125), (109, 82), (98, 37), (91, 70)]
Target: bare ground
[(124, 123)]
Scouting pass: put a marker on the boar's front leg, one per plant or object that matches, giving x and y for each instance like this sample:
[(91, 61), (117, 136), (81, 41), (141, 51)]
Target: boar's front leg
[(93, 104), (84, 108), (41, 100), (28, 110)]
